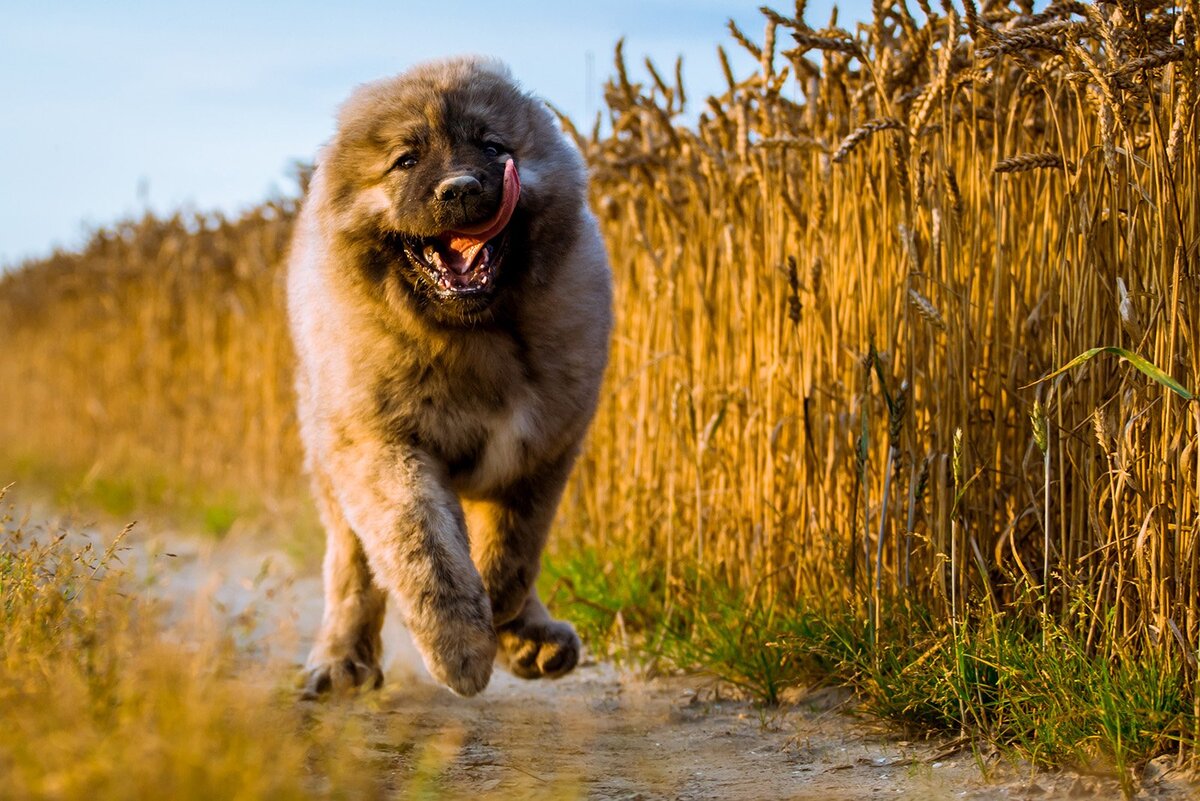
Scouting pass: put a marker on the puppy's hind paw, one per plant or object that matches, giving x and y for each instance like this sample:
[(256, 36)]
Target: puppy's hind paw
[(338, 677), (539, 650)]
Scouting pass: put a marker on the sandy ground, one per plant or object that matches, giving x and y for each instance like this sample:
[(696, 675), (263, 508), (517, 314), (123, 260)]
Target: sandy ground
[(601, 732)]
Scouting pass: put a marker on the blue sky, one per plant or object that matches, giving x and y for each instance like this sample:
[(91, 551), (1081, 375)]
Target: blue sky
[(107, 107)]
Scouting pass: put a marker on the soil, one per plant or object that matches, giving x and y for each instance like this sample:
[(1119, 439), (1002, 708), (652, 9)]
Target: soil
[(603, 732)]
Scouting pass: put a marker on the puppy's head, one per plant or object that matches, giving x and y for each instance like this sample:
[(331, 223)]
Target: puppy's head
[(439, 174)]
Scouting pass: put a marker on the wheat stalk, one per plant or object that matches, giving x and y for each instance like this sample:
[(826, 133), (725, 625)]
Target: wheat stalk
[(862, 133), (1025, 162)]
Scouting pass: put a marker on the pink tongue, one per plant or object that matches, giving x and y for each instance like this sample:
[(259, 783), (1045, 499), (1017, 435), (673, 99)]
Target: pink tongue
[(464, 245)]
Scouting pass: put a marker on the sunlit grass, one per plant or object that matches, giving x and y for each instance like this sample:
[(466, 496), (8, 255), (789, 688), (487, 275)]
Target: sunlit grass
[(100, 700), (106, 693)]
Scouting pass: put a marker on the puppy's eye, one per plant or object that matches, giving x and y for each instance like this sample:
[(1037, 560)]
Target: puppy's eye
[(406, 162), (492, 149)]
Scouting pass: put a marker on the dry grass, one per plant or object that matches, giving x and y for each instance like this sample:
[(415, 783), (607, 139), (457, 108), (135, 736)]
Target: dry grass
[(835, 294), (103, 698), (109, 691)]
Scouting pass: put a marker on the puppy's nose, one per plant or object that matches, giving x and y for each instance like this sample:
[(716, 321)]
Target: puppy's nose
[(457, 187)]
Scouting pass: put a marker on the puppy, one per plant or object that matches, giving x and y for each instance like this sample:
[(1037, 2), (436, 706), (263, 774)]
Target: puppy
[(450, 301)]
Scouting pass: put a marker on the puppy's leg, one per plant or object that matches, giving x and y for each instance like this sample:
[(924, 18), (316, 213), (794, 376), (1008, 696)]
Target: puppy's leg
[(348, 647), (507, 537), (412, 531)]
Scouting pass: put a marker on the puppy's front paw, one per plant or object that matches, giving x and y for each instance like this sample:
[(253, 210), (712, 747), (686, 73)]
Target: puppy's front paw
[(539, 650), (465, 665), (326, 674), (461, 653)]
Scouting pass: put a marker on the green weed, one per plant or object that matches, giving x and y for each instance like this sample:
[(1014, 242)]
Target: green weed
[(992, 678)]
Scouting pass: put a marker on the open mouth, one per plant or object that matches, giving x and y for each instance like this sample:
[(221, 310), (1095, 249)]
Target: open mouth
[(466, 261), (451, 273)]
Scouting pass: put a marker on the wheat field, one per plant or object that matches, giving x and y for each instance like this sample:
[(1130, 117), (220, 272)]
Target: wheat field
[(844, 293)]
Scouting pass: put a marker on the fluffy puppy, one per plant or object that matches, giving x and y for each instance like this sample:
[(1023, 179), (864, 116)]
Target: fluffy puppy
[(450, 301)]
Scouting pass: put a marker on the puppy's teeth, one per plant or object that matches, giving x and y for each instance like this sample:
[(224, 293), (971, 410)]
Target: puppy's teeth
[(430, 253), (484, 280)]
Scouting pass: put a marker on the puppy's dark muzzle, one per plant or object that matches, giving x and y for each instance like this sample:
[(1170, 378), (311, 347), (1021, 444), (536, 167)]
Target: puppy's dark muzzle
[(459, 188)]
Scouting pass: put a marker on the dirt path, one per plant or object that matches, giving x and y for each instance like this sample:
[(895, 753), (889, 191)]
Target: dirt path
[(600, 733)]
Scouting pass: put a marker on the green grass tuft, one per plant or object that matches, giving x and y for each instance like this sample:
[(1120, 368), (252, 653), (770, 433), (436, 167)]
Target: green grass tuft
[(1037, 693)]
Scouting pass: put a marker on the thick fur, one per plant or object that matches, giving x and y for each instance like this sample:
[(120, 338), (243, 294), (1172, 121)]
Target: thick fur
[(440, 435)]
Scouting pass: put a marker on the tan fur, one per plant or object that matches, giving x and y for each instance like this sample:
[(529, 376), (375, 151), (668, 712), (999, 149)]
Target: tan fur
[(411, 408)]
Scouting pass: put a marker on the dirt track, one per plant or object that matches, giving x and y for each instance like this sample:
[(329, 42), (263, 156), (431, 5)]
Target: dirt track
[(600, 733)]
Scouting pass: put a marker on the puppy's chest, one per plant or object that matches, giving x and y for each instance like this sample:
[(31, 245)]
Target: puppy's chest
[(497, 450), (481, 424)]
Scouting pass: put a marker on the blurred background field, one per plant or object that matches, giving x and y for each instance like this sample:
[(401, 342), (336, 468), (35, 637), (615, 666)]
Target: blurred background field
[(824, 448)]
